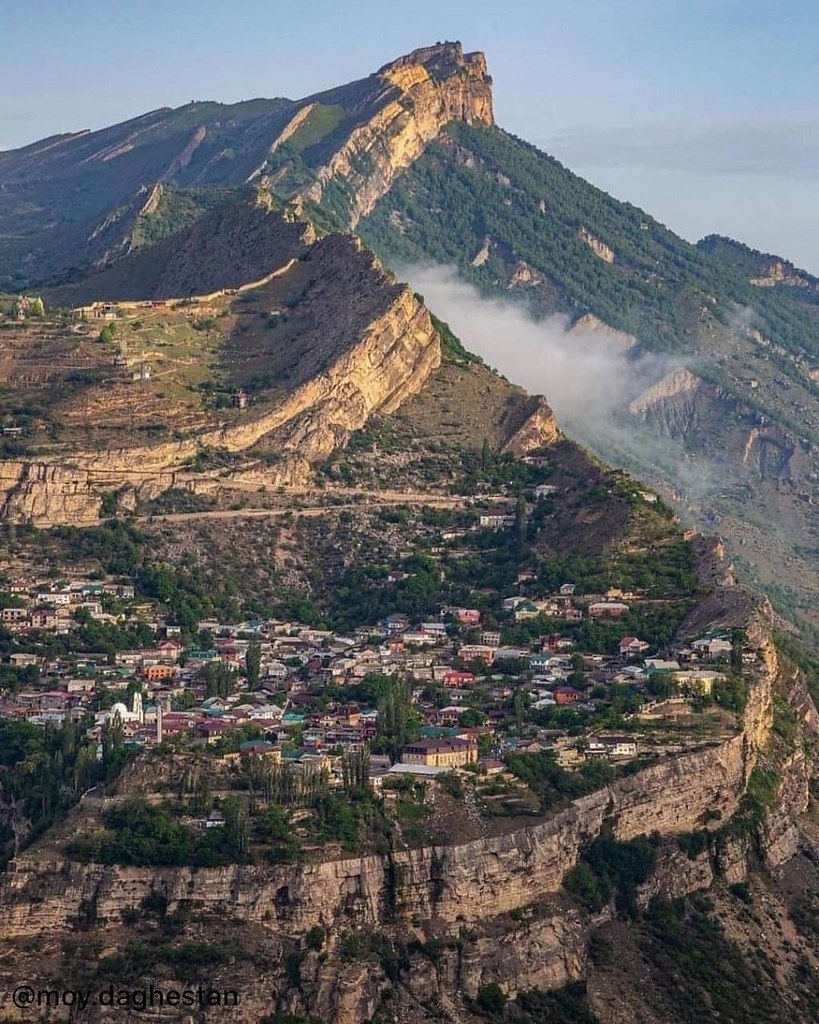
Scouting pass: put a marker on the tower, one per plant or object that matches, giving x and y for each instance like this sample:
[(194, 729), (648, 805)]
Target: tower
[(158, 722)]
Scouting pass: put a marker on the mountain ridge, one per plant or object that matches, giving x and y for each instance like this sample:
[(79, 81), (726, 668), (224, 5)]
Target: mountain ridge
[(383, 155), (227, 146), (262, 420)]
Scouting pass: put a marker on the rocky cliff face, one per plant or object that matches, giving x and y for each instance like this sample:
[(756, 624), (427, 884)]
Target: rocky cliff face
[(389, 361), (494, 905), (446, 887), (780, 272), (426, 90), (706, 418), (538, 428)]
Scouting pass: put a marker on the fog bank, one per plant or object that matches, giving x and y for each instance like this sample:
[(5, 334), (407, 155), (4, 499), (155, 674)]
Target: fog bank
[(588, 376)]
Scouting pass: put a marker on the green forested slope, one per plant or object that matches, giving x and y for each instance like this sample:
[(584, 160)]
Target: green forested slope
[(476, 183)]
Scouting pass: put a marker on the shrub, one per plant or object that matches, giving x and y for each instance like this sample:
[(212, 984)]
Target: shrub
[(612, 869), (492, 998)]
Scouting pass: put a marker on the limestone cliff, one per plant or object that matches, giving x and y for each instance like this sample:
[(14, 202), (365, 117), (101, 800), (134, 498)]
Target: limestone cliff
[(389, 360), (707, 417), (538, 428), (780, 272), (468, 889), (598, 247), (495, 906), (423, 92), (591, 324)]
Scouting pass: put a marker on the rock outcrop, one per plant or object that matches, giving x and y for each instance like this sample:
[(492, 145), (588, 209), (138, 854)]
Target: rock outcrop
[(537, 429), (427, 89), (780, 272), (494, 908), (598, 247), (462, 884), (388, 362), (591, 324)]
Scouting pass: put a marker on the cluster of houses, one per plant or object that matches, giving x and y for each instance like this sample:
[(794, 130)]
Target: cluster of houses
[(454, 662), (53, 607)]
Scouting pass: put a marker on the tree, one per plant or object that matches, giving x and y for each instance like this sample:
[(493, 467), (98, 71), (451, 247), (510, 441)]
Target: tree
[(112, 735), (253, 663), (521, 522), (85, 768), (396, 719), (13, 815), (219, 679), (520, 702), (107, 335), (471, 717), (492, 998), (486, 455), (738, 641), (355, 772), (660, 684), (237, 827)]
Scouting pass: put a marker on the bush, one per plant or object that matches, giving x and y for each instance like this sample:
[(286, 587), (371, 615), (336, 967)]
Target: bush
[(741, 891), (612, 869), (492, 998), (693, 843)]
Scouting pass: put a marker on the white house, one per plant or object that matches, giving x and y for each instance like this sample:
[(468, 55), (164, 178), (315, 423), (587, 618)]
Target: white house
[(612, 746)]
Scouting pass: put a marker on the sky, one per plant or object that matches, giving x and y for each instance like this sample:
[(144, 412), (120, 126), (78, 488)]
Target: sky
[(701, 111)]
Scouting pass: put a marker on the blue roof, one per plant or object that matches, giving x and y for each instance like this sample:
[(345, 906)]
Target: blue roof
[(434, 732)]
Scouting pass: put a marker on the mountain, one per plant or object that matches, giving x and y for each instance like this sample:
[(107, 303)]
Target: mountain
[(678, 883), (725, 419), (134, 398), (718, 393), (77, 199), (233, 425)]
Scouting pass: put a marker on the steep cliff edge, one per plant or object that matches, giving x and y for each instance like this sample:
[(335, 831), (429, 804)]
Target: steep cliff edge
[(493, 909), (426, 90), (386, 363)]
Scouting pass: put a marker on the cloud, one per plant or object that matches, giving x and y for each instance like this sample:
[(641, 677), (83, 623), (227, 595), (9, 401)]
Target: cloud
[(775, 148), (588, 377)]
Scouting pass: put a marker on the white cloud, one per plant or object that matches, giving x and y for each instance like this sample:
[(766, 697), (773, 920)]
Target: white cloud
[(587, 378)]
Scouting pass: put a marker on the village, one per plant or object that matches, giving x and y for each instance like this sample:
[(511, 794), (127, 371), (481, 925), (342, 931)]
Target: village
[(305, 696)]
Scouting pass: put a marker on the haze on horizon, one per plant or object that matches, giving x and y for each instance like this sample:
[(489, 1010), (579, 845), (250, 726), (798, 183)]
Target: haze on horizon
[(702, 113)]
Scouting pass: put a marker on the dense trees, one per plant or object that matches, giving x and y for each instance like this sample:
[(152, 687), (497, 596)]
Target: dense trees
[(611, 869), (398, 722), (253, 663), (533, 209), (553, 784), (44, 771)]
